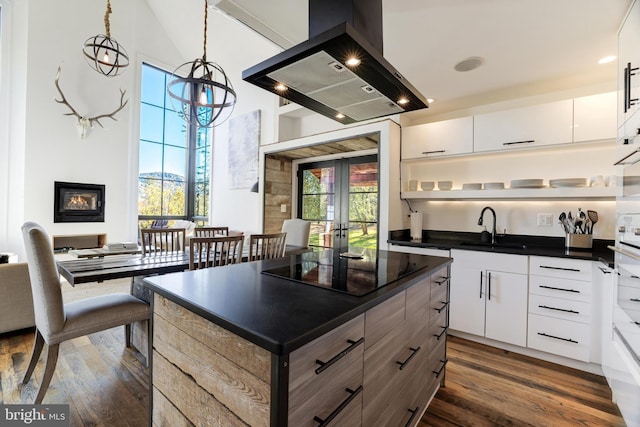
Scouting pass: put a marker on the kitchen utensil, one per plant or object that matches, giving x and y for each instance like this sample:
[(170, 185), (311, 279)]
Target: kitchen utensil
[(563, 220), (578, 225), (593, 216)]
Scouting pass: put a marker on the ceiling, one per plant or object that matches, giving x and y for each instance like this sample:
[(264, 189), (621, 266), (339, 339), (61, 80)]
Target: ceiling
[(528, 46)]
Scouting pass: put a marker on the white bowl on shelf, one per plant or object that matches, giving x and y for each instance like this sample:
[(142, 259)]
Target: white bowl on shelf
[(472, 186), (494, 185), (427, 185), (445, 185)]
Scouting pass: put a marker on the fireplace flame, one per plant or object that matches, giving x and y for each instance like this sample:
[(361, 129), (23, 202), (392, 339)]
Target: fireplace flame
[(77, 202)]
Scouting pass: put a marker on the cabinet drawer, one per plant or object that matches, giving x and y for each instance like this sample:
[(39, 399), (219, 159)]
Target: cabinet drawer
[(561, 337), (564, 268), (437, 361), (489, 261), (576, 290), (317, 390), (576, 311), (629, 298), (383, 318), (440, 280)]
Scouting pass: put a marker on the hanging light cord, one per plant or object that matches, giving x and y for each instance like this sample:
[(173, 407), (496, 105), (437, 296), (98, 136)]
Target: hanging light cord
[(107, 25), (204, 47)]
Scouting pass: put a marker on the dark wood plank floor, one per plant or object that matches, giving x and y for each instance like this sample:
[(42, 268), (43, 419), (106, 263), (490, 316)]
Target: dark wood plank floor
[(486, 386), (106, 384)]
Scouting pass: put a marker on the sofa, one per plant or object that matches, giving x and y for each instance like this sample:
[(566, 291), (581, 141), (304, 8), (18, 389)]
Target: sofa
[(16, 304)]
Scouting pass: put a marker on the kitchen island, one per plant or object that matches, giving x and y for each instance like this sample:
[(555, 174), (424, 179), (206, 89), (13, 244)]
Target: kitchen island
[(309, 339)]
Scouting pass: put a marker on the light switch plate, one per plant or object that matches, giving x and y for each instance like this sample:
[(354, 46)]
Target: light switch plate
[(545, 220), (283, 208)]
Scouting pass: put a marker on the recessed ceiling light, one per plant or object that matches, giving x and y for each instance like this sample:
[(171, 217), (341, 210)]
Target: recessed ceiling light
[(403, 101), (469, 64), (431, 100), (339, 116), (280, 87), (607, 59)]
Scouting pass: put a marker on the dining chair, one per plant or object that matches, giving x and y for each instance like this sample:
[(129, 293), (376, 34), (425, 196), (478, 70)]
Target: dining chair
[(162, 240), (266, 246), (56, 321), (297, 232), (211, 231), (207, 252)]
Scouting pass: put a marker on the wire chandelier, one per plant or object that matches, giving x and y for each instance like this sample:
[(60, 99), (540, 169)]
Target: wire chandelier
[(103, 53), (205, 97)]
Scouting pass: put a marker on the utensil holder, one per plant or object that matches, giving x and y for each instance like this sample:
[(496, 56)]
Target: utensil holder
[(580, 241)]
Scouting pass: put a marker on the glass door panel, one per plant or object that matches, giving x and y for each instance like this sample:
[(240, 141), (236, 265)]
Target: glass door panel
[(340, 199)]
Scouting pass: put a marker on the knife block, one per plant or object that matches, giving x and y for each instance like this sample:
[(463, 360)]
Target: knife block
[(579, 241)]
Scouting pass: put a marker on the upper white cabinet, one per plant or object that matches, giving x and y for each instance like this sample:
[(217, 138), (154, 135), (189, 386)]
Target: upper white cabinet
[(628, 65), (436, 139), (594, 117), (538, 125)]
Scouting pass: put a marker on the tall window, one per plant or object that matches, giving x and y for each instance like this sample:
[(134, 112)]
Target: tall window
[(175, 158)]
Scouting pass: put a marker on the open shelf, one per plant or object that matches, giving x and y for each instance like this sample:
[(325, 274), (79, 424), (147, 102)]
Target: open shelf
[(595, 193)]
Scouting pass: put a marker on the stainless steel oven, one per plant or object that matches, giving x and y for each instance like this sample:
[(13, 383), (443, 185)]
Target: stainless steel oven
[(630, 176), (626, 310)]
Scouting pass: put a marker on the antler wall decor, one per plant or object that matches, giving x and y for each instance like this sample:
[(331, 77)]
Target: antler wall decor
[(85, 123)]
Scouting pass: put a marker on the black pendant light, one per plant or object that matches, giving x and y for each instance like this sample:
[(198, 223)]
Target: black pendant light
[(205, 97), (103, 53)]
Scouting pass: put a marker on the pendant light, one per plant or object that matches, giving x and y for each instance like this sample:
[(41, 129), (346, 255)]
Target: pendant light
[(205, 97), (103, 53)]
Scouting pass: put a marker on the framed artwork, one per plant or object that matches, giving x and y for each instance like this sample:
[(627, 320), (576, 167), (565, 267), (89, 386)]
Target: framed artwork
[(244, 141)]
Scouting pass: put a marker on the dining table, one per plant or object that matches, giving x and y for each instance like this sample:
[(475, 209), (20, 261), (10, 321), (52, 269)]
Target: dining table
[(101, 268)]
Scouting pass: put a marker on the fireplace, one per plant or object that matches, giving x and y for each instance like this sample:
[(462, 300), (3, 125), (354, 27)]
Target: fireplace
[(74, 202)]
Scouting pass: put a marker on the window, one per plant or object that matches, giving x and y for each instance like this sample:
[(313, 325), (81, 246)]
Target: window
[(175, 158)]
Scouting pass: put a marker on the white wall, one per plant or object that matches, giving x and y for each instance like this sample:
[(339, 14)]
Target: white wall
[(43, 143)]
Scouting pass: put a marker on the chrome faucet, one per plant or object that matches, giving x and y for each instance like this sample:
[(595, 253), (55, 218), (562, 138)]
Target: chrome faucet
[(493, 230)]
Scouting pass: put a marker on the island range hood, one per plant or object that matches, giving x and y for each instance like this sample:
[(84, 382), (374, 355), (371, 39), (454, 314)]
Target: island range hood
[(340, 71)]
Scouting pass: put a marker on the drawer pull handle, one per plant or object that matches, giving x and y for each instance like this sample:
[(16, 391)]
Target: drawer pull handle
[(559, 309), (558, 338), (444, 305), (334, 359), (414, 351), (414, 412), (444, 280), (560, 268), (336, 412), (481, 285), (634, 299), (426, 153), (489, 286), (439, 371), (528, 141), (444, 331), (559, 289)]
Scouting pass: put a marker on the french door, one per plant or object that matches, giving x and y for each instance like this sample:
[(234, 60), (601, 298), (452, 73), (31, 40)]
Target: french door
[(340, 199)]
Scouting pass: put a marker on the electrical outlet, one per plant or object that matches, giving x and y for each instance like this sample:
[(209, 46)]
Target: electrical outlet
[(545, 220), (283, 208)]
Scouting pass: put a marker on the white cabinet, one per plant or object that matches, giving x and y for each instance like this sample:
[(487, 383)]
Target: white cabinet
[(538, 125), (629, 57), (560, 307), (625, 382), (594, 117), (489, 295), (436, 139), (603, 284)]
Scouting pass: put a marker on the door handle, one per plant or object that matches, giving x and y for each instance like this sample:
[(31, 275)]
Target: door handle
[(489, 286)]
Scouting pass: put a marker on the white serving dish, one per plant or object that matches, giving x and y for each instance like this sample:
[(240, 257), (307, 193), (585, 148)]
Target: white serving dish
[(527, 183), (427, 185), (568, 182)]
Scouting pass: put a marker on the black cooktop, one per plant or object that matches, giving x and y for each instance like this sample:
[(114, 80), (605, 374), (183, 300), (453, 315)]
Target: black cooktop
[(358, 272)]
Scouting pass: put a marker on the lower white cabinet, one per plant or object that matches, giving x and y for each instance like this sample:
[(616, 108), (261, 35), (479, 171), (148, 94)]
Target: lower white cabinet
[(560, 307), (489, 295), (603, 284), (625, 382)]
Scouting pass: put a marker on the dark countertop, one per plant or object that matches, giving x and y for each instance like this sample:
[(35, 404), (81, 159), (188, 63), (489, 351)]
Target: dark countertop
[(281, 315), (510, 244)]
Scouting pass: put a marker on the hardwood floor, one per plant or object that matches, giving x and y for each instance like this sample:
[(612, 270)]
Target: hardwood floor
[(487, 386), (106, 384)]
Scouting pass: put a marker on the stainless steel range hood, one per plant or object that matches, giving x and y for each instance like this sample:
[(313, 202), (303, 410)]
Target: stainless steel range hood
[(316, 74)]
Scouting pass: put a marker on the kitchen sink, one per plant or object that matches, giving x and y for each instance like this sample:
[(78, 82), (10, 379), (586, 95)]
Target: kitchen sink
[(494, 245)]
